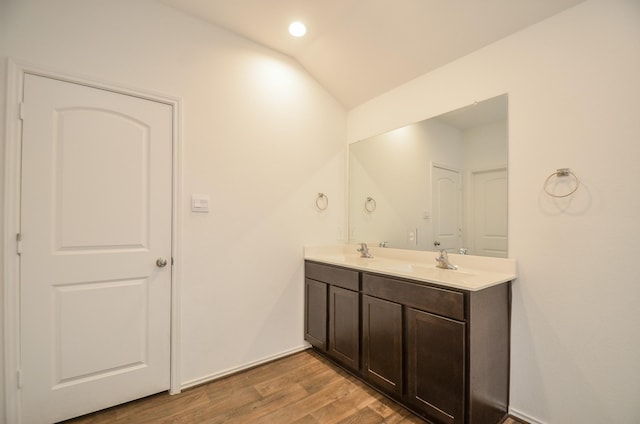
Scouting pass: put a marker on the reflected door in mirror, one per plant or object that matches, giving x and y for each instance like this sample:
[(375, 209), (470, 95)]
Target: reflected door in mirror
[(490, 213), (446, 197)]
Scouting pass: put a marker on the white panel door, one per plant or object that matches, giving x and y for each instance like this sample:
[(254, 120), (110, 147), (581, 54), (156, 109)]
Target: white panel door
[(96, 215), (446, 196), (489, 209)]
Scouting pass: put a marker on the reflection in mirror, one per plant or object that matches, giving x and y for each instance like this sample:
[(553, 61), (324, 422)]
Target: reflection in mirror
[(442, 180)]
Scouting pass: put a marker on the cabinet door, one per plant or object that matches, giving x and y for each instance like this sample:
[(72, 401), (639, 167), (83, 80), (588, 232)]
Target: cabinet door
[(315, 313), (382, 343), (344, 326), (436, 366)]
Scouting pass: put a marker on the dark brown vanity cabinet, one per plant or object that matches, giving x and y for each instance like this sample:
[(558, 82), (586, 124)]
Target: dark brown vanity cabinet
[(334, 294), (315, 316), (382, 354), (436, 365), (432, 331), (443, 353), (344, 326)]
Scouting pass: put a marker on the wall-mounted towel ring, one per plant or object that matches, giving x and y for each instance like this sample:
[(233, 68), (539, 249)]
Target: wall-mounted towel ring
[(322, 201), (561, 173), (370, 204)]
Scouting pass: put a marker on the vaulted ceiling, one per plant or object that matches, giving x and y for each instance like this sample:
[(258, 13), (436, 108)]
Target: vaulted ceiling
[(358, 49)]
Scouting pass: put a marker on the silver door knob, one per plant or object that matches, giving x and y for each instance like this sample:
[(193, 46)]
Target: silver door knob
[(161, 262)]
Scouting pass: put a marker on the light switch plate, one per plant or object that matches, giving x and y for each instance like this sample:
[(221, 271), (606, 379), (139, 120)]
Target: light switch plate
[(412, 236), (199, 203)]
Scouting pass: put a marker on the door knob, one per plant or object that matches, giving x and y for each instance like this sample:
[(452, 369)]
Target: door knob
[(161, 262)]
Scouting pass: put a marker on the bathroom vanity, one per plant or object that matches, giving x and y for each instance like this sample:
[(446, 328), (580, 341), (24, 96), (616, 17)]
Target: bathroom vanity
[(435, 340)]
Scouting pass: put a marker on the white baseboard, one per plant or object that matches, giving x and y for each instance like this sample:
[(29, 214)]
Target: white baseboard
[(524, 417), (217, 375)]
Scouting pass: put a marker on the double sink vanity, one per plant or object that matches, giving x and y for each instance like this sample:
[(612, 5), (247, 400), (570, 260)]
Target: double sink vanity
[(435, 340)]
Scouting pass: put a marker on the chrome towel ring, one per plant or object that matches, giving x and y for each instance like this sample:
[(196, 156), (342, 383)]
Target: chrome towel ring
[(561, 173), (322, 202), (370, 204)]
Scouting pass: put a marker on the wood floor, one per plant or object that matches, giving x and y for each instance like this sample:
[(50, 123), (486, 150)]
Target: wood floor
[(302, 388)]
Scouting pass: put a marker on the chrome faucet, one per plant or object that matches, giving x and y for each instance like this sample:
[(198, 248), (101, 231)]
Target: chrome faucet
[(443, 261), (364, 251), (384, 244)]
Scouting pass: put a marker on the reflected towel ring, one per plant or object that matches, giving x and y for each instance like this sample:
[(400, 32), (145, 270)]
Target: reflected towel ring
[(370, 204), (322, 202), (562, 172)]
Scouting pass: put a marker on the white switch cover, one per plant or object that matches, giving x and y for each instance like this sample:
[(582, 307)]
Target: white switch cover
[(412, 236), (199, 203)]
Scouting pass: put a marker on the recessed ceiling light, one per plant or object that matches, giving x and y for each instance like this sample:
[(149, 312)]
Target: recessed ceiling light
[(297, 29)]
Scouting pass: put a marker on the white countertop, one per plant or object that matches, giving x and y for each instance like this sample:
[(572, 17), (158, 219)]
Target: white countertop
[(473, 273)]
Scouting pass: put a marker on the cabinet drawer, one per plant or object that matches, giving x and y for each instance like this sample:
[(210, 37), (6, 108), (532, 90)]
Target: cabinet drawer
[(341, 277), (426, 298)]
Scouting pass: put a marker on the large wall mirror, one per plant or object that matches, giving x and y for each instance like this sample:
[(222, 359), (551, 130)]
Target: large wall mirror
[(441, 181)]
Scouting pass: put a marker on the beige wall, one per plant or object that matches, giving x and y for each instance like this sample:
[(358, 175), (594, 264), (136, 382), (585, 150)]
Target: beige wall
[(573, 92), (260, 136)]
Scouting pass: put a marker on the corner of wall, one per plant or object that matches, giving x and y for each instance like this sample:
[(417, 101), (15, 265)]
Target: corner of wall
[(3, 91)]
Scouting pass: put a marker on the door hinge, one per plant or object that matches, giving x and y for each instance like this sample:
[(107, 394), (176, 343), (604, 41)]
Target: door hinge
[(19, 379), (19, 243), (22, 111)]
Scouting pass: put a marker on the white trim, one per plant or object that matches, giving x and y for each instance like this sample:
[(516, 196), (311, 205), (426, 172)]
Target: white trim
[(524, 417), (48, 72), (176, 253), (15, 76), (229, 371), (11, 225)]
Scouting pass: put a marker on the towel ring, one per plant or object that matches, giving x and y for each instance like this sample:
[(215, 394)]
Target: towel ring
[(322, 202), (370, 204), (562, 172)]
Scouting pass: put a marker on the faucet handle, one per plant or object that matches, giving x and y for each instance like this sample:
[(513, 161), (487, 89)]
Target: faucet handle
[(364, 251), (443, 260)]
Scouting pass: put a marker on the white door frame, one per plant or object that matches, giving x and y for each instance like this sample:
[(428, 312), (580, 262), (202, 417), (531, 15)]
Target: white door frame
[(11, 226)]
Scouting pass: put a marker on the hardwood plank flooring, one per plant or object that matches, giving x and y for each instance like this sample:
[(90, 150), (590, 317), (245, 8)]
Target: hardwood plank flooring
[(303, 388)]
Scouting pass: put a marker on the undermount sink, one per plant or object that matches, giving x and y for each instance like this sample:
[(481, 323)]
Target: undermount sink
[(426, 270)]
